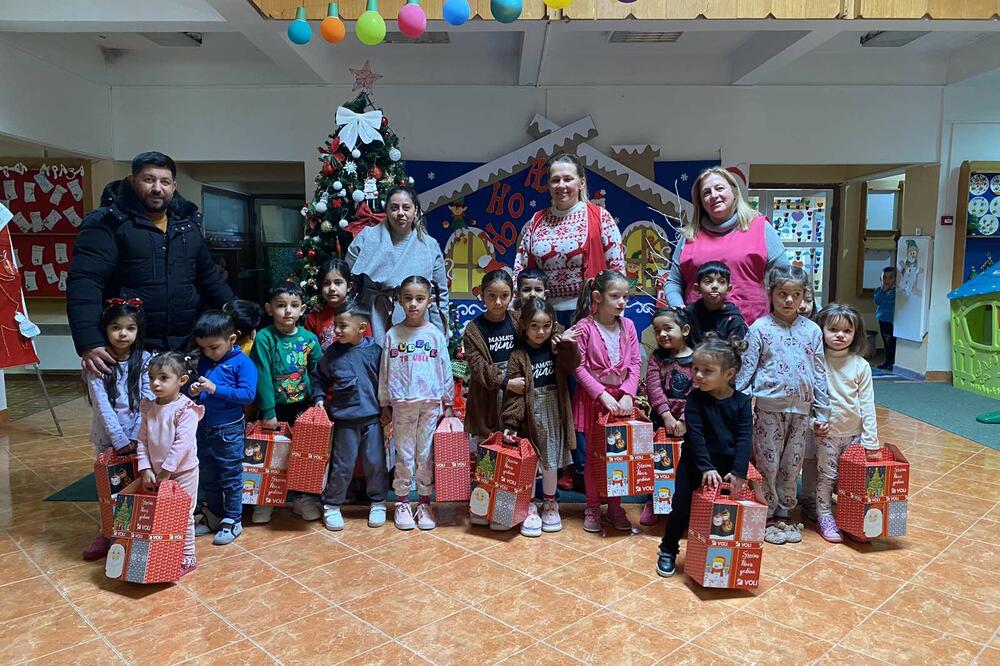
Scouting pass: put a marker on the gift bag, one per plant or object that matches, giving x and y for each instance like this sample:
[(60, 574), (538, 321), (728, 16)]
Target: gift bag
[(265, 464), (871, 494), (666, 461), (309, 458), (724, 546), (627, 454), (451, 462), (112, 473), (505, 480), (148, 530)]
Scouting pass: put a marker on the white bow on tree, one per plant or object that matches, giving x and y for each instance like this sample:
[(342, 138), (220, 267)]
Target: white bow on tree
[(358, 125)]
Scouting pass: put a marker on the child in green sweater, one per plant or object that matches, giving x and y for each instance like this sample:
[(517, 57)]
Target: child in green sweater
[(285, 356)]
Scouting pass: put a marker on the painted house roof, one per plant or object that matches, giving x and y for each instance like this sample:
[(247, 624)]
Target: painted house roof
[(984, 283)]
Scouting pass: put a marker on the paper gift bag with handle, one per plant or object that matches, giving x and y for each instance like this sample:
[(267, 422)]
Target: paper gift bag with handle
[(871, 494), (309, 458), (451, 462), (265, 464), (148, 530), (626, 449), (505, 479), (113, 473), (666, 461)]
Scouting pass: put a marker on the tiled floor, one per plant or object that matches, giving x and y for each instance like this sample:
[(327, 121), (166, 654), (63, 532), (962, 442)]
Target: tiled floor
[(293, 593)]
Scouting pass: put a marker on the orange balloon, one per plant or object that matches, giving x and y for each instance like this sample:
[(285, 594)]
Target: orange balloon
[(332, 29)]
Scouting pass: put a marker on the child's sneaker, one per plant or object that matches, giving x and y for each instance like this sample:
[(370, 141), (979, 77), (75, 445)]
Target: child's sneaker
[(376, 514), (188, 564), (332, 518), (551, 520), (774, 534), (228, 531), (648, 518), (261, 514), (425, 516), (307, 507), (403, 516), (619, 519), (827, 528), (665, 564), (98, 548), (793, 532), (532, 525), (592, 520)]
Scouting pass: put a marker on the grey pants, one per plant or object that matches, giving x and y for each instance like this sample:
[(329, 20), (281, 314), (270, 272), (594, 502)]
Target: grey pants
[(350, 441)]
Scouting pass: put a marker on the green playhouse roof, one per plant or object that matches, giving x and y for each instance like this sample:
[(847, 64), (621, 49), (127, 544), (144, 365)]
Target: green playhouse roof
[(984, 283)]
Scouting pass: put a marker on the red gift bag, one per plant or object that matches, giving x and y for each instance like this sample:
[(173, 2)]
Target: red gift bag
[(626, 448), (148, 530), (725, 534), (451, 462), (871, 494), (505, 480), (309, 458), (113, 473), (265, 464), (666, 462)]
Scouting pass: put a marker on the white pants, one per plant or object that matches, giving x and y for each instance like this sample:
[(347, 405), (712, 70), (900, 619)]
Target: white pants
[(413, 426)]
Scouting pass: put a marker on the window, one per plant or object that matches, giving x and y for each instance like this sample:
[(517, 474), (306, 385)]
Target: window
[(980, 321), (882, 210), (226, 214), (466, 253)]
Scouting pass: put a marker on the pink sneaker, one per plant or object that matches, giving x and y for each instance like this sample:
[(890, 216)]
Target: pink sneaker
[(648, 518), (826, 525), (619, 519), (592, 520), (97, 549), (188, 564)]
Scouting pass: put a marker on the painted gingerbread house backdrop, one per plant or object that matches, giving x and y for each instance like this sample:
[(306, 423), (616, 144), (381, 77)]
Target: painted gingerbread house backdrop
[(975, 334)]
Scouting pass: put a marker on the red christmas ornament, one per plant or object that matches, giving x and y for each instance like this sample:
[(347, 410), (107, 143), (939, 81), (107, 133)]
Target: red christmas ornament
[(385, 121), (335, 203), (328, 169), (375, 173), (335, 144), (299, 254), (312, 254), (340, 157)]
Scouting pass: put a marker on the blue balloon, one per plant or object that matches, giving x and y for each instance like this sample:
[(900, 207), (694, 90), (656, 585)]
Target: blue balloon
[(456, 12), (506, 11), (299, 32)]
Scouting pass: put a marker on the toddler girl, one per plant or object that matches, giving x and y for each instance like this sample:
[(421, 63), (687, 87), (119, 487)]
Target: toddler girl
[(852, 412), (607, 378), (543, 361), (336, 282), (718, 440), (167, 445), (784, 369), (115, 397), (668, 379), (414, 381)]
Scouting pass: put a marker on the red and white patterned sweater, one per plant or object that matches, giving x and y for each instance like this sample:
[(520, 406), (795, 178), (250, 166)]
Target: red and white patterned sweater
[(556, 244)]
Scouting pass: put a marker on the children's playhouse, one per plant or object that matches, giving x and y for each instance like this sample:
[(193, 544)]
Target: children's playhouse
[(975, 334)]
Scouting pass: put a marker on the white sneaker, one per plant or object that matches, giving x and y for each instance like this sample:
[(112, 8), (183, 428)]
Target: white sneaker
[(403, 516), (376, 514), (532, 525), (425, 517), (307, 507), (261, 514), (551, 520), (332, 518)]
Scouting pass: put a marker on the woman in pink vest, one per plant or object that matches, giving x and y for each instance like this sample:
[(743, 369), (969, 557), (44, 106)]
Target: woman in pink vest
[(571, 241), (725, 228)]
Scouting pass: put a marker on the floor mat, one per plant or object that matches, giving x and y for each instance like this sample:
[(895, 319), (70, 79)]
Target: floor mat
[(942, 405)]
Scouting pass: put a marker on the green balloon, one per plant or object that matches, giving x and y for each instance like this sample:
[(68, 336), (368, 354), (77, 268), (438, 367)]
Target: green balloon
[(370, 28)]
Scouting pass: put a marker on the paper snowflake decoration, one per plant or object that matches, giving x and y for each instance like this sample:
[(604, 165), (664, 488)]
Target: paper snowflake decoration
[(684, 177), (350, 167), (430, 175), (532, 203)]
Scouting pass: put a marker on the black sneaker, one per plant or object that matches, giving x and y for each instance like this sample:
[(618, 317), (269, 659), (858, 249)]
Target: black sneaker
[(665, 564)]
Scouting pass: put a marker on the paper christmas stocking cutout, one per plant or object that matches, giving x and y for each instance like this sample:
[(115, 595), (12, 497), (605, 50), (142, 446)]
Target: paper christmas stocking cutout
[(57, 195), (75, 190), (29, 192), (43, 182)]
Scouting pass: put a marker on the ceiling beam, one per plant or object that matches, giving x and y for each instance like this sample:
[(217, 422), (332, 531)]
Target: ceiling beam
[(533, 42), (767, 53), (974, 60), (771, 25)]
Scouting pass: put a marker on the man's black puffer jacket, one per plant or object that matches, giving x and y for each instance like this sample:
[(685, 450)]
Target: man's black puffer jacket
[(119, 252)]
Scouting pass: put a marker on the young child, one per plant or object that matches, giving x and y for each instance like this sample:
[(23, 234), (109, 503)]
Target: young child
[(531, 283), (607, 379), (784, 369), (808, 306), (852, 412), (542, 411), (414, 382), (488, 341), (167, 445), (285, 356), (885, 310), (336, 276), (718, 440), (246, 317), (668, 380), (115, 397), (712, 313), (226, 383), (350, 367)]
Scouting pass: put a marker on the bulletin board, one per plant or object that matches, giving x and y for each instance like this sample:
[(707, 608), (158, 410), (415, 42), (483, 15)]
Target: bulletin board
[(48, 201)]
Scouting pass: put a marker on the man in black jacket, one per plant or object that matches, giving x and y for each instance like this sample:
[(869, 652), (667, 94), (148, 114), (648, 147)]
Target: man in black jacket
[(144, 242)]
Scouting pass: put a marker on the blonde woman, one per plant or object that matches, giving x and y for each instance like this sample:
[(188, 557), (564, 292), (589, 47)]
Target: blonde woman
[(725, 228)]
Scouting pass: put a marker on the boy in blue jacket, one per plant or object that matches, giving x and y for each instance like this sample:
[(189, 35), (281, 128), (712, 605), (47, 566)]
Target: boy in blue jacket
[(346, 382), (227, 381)]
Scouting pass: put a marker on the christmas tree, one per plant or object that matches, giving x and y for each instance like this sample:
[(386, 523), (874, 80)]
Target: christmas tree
[(360, 162)]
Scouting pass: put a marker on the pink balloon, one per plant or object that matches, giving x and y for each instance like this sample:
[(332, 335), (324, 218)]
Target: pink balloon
[(412, 20)]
